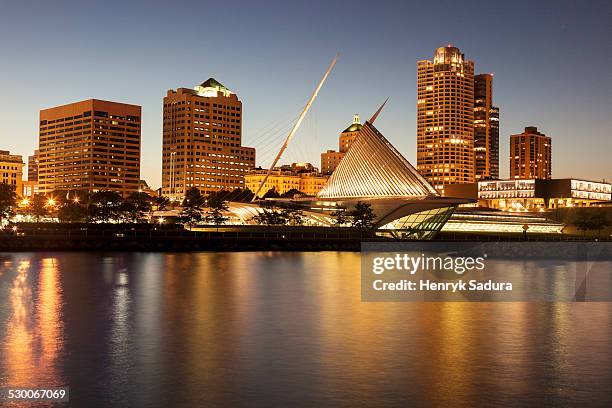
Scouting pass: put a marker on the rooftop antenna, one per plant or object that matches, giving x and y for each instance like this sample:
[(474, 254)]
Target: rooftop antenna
[(296, 126)]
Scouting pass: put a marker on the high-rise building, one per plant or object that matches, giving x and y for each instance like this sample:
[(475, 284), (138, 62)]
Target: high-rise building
[(530, 155), (331, 158), (445, 118), (486, 129), (11, 170), (202, 141), (92, 145), (33, 166)]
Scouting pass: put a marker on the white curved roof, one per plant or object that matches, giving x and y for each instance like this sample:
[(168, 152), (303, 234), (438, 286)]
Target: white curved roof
[(372, 167)]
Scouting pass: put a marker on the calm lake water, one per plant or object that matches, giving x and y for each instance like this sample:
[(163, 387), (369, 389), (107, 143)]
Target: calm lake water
[(282, 330)]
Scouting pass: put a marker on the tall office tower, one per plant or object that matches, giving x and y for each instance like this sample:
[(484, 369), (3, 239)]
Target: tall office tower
[(331, 158), (33, 166), (11, 170), (486, 129), (91, 145), (530, 155), (202, 141), (445, 118)]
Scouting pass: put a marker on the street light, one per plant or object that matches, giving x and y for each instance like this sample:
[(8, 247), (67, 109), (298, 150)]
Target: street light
[(51, 202), (25, 202)]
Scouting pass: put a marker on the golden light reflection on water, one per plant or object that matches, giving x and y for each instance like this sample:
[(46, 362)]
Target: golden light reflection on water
[(225, 329), (34, 330)]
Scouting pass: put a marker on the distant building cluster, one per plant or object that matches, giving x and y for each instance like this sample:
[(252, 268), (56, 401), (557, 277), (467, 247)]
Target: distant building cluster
[(95, 145), (302, 177)]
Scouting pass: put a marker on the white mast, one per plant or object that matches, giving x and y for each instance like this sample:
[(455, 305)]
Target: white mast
[(296, 126)]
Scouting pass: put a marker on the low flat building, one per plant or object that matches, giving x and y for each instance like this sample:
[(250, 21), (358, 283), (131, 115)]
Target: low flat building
[(533, 194), (11, 169)]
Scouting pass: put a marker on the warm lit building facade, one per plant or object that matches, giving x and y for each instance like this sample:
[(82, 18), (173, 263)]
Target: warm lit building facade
[(299, 176), (331, 158), (486, 129), (445, 118), (534, 194), (202, 141), (33, 166), (29, 188), (530, 155), (11, 169), (91, 145)]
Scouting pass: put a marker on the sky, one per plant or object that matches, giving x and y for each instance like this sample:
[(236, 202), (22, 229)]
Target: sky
[(551, 62)]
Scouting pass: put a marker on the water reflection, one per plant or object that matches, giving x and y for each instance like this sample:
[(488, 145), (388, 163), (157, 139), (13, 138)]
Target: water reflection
[(284, 329), (33, 334)]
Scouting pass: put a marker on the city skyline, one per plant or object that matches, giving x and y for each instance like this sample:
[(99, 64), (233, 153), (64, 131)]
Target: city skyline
[(552, 84)]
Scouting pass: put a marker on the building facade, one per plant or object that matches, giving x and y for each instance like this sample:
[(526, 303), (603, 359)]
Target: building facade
[(91, 145), (11, 170), (534, 194), (33, 166), (486, 129), (530, 155), (202, 141), (299, 176), (331, 158), (445, 118)]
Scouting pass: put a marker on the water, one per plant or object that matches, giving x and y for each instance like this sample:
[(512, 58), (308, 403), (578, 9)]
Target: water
[(282, 329)]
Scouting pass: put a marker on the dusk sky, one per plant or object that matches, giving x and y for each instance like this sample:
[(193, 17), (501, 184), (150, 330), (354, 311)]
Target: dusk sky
[(551, 63)]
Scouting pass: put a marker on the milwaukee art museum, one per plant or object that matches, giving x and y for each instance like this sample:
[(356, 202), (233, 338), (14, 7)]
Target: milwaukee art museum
[(374, 172)]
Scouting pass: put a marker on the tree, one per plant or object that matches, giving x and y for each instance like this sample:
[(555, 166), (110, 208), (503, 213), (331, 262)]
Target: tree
[(136, 206), (582, 220), (292, 214), (292, 193), (362, 216), (340, 216), (270, 215), (599, 221), (271, 193), (72, 212), (8, 200), (38, 207), (191, 213), (160, 202), (216, 209), (105, 206)]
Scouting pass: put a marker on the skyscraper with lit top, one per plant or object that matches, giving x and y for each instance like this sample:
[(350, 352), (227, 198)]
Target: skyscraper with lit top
[(445, 118)]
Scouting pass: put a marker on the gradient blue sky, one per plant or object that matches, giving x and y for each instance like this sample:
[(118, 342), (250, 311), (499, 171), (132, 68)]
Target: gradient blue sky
[(551, 60)]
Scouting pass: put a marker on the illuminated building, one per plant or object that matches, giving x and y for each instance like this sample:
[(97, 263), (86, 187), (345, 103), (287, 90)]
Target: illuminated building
[(534, 194), (299, 176), (202, 141), (486, 129), (445, 118), (91, 145), (11, 169), (374, 172), (530, 155), (29, 188), (33, 166), (331, 159)]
